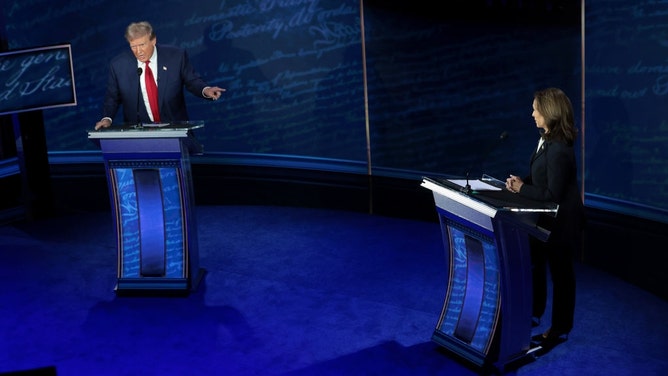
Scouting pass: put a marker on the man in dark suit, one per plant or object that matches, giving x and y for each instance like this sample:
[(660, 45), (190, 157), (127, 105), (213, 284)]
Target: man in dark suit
[(139, 71)]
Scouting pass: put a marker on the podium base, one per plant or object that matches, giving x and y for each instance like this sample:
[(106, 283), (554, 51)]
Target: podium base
[(156, 286)]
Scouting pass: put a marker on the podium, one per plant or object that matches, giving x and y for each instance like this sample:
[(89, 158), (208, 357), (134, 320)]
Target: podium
[(150, 188), (486, 315)]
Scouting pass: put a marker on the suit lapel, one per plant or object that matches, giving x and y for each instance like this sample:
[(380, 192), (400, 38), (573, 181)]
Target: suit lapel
[(162, 77), (540, 150)]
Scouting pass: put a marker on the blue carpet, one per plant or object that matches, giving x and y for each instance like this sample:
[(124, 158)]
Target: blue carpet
[(288, 291)]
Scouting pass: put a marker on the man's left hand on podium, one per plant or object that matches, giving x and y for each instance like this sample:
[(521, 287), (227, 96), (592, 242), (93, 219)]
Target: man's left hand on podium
[(104, 123)]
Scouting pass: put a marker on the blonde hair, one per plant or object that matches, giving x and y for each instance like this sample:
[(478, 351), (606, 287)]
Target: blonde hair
[(139, 29)]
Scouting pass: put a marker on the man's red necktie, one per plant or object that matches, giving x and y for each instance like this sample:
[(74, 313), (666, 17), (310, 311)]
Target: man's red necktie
[(152, 91)]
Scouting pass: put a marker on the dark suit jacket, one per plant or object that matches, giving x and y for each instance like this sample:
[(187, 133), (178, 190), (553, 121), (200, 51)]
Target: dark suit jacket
[(174, 73), (553, 178)]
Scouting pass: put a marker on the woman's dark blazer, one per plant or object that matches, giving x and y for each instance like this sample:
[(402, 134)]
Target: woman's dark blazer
[(553, 178)]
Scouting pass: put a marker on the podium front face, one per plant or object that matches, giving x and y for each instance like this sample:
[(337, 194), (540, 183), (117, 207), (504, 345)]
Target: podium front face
[(486, 314), (472, 304), (150, 187)]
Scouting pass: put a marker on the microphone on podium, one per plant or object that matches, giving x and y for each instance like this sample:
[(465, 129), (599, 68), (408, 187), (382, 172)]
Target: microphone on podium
[(139, 97), (467, 188), (483, 157)]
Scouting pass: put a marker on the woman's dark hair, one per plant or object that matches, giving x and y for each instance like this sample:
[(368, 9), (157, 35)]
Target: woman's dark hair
[(556, 108)]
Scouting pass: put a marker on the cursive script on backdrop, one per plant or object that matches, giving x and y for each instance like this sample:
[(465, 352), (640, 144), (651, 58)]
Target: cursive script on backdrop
[(36, 78)]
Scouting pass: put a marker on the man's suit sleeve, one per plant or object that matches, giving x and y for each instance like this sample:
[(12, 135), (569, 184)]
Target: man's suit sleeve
[(112, 99), (191, 79)]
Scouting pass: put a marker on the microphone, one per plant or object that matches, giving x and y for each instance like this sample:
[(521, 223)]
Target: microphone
[(467, 188), (483, 157), (139, 96)]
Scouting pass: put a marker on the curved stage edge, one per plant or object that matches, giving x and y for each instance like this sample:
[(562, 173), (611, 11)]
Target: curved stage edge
[(615, 243)]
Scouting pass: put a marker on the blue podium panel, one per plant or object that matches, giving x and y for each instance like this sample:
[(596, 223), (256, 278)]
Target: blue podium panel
[(486, 315), (472, 303), (150, 187), (151, 231)]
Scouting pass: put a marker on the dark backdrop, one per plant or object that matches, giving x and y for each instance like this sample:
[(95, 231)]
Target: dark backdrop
[(442, 83), (626, 81)]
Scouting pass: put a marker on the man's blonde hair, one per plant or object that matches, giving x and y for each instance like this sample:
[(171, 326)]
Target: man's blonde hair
[(139, 29)]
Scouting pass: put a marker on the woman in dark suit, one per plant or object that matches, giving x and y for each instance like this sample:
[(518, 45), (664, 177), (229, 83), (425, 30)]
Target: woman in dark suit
[(169, 69), (553, 178)]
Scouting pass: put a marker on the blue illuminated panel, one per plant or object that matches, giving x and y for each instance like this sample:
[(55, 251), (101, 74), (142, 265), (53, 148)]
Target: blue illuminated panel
[(151, 220), (472, 305)]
